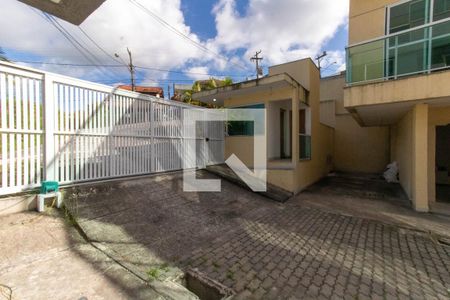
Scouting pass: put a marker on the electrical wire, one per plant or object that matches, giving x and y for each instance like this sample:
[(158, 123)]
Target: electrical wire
[(182, 35), (90, 57), (121, 66)]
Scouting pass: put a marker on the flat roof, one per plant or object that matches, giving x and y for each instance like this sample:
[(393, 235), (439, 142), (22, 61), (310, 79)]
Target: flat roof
[(219, 95)]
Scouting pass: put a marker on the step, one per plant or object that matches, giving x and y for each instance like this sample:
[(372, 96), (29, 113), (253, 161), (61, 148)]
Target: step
[(273, 192)]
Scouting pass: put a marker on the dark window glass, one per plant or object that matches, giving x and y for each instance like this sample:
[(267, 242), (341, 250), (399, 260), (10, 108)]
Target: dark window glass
[(408, 15), (441, 10), (440, 57), (412, 58), (243, 128)]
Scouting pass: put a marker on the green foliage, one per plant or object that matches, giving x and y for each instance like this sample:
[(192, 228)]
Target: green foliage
[(3, 55), (156, 272), (205, 85)]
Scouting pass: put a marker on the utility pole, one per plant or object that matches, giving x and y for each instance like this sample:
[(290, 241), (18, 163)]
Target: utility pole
[(133, 86), (256, 59), (319, 60), (130, 68)]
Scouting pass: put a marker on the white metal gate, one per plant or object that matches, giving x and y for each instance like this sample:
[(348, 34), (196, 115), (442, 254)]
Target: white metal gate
[(59, 128)]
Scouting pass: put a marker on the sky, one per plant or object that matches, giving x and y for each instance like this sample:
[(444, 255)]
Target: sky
[(176, 41)]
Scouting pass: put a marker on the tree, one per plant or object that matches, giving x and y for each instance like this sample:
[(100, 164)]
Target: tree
[(2, 55), (205, 85)]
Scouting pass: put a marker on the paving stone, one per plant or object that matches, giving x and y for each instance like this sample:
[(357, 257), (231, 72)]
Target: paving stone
[(279, 251)]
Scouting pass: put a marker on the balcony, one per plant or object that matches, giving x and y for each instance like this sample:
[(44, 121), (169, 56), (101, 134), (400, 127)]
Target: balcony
[(421, 50)]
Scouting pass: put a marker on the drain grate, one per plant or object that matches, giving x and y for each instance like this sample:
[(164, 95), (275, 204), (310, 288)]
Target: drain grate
[(444, 242), (206, 288)]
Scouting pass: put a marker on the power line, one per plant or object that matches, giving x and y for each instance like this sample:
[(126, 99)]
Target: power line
[(97, 45), (121, 66), (181, 34), (77, 45)]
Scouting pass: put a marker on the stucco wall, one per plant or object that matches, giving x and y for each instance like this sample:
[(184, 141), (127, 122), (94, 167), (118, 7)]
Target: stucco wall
[(360, 149), (310, 171), (302, 173), (420, 87), (356, 149), (402, 143), (367, 19)]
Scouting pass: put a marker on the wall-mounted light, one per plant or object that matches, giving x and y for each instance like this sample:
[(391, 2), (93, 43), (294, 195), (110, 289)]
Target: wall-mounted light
[(214, 100)]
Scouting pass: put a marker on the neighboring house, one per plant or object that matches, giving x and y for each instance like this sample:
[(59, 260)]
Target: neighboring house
[(147, 90), (398, 77), (299, 148), (180, 90)]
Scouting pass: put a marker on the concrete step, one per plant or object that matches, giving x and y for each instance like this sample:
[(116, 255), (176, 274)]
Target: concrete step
[(273, 192)]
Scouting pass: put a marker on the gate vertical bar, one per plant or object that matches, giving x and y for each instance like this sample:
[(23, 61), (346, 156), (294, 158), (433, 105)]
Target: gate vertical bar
[(49, 127), (152, 136)]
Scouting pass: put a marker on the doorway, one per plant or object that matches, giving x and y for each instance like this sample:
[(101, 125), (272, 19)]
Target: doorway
[(285, 133), (443, 164)]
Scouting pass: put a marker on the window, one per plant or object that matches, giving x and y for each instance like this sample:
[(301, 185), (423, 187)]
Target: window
[(408, 15), (305, 134), (441, 9), (440, 46), (244, 128)]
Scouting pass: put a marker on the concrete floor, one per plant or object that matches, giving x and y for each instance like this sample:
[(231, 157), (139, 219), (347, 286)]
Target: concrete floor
[(43, 257), (370, 197)]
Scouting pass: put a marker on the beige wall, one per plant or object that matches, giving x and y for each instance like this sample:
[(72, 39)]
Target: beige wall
[(360, 149), (413, 147), (402, 141), (309, 171), (420, 87), (367, 19), (296, 70), (356, 149), (299, 174)]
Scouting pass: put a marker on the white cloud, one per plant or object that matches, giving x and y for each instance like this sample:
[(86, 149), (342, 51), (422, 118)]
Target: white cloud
[(117, 24), (284, 30), (197, 73)]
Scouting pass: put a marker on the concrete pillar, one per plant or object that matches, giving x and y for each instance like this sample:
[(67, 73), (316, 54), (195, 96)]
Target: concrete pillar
[(420, 158), (295, 127)]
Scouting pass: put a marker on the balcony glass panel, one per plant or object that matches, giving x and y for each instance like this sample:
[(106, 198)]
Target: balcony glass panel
[(408, 15), (305, 146), (441, 10), (367, 61), (414, 52)]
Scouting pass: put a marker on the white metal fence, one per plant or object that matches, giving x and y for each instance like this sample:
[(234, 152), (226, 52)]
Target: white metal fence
[(59, 128)]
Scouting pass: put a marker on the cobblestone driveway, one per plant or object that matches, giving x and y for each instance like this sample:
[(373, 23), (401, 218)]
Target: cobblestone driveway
[(258, 248), (301, 253)]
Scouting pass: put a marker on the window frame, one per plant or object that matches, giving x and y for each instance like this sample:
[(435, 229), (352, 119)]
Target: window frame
[(259, 105), (428, 17)]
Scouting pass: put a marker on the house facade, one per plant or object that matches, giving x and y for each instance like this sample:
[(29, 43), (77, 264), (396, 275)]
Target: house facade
[(398, 77), (299, 148)]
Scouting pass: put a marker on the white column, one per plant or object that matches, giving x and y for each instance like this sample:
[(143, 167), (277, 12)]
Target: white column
[(49, 128), (295, 127)]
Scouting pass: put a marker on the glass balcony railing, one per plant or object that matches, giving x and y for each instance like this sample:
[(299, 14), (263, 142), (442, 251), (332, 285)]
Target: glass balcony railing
[(305, 146), (415, 51)]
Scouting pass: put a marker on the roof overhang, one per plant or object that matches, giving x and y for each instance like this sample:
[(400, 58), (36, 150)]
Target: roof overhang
[(389, 114), (72, 11), (268, 83)]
